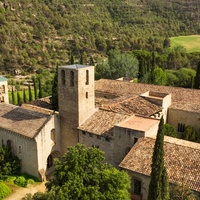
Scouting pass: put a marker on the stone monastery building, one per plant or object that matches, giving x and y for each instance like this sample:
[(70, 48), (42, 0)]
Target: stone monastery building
[(120, 118)]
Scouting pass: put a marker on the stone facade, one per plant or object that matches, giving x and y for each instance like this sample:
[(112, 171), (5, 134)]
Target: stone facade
[(76, 100), (3, 90), (181, 118)]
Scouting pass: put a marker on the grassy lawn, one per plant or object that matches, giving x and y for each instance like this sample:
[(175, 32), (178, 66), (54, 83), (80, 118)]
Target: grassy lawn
[(191, 42)]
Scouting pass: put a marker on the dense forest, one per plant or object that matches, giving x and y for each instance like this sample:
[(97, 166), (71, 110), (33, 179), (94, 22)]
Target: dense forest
[(41, 34)]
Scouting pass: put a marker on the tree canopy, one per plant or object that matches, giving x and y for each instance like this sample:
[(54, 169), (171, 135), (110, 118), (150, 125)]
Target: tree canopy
[(83, 174)]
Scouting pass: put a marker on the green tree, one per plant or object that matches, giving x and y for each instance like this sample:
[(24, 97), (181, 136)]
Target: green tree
[(13, 96), (35, 88), (83, 174), (18, 98), (170, 130), (30, 93), (159, 182), (159, 77), (122, 65), (55, 91), (40, 87), (9, 163), (197, 77), (189, 133), (24, 96)]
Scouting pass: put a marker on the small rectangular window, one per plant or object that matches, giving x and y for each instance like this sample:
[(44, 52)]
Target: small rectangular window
[(98, 137), (20, 149), (181, 127), (83, 132), (90, 134), (137, 187)]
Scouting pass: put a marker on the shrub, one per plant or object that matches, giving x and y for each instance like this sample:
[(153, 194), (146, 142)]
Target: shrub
[(4, 191), (9, 179), (30, 181), (20, 181)]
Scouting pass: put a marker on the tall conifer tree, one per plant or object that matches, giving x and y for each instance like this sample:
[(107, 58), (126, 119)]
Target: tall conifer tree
[(24, 96), (13, 96), (40, 87), (30, 93), (197, 77), (35, 88), (55, 91), (158, 187)]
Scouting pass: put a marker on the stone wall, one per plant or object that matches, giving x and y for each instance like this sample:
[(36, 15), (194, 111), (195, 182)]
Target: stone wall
[(92, 140), (76, 100), (4, 92), (23, 147), (47, 143), (176, 116), (124, 139)]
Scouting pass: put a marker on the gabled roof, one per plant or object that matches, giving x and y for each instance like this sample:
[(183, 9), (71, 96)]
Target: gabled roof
[(134, 105), (2, 79), (180, 96), (22, 121), (102, 123), (182, 160)]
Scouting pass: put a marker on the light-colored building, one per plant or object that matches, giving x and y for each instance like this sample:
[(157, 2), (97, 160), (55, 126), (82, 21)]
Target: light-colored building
[(182, 161), (3, 90), (109, 114)]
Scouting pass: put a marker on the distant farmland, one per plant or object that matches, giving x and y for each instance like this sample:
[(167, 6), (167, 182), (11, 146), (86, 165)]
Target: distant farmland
[(191, 42)]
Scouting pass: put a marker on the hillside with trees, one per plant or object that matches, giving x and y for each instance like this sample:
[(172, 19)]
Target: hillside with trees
[(41, 34)]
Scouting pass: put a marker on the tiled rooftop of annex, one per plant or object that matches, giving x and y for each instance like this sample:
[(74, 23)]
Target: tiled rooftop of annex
[(21, 121), (182, 97), (182, 160), (138, 123)]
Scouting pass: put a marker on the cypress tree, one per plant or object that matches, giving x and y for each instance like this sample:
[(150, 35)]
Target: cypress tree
[(158, 184), (81, 60), (35, 88), (165, 185), (30, 93), (91, 61), (13, 96), (71, 59), (40, 87), (18, 98), (197, 77), (55, 91), (24, 96)]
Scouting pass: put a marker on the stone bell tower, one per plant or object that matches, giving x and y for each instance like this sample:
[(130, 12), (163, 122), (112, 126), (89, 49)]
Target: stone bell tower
[(76, 100)]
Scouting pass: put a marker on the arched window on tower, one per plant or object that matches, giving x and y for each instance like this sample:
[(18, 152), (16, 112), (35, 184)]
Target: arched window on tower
[(63, 76), (72, 78), (87, 77)]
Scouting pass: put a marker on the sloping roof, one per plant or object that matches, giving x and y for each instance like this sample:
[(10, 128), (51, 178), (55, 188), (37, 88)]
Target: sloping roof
[(179, 95), (21, 121), (2, 79), (182, 160), (138, 123), (102, 122), (134, 105)]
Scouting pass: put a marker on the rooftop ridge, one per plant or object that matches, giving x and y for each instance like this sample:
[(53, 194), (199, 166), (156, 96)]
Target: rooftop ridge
[(180, 142)]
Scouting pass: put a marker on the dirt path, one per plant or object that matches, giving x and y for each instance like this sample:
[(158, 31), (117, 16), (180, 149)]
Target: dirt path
[(21, 192)]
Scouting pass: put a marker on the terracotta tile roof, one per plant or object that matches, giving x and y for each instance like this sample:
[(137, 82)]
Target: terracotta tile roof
[(187, 106), (179, 95), (139, 123), (37, 108), (134, 105), (21, 121), (42, 102), (182, 160), (102, 123)]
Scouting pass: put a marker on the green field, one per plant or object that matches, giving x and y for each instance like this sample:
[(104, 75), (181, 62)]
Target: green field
[(191, 42)]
